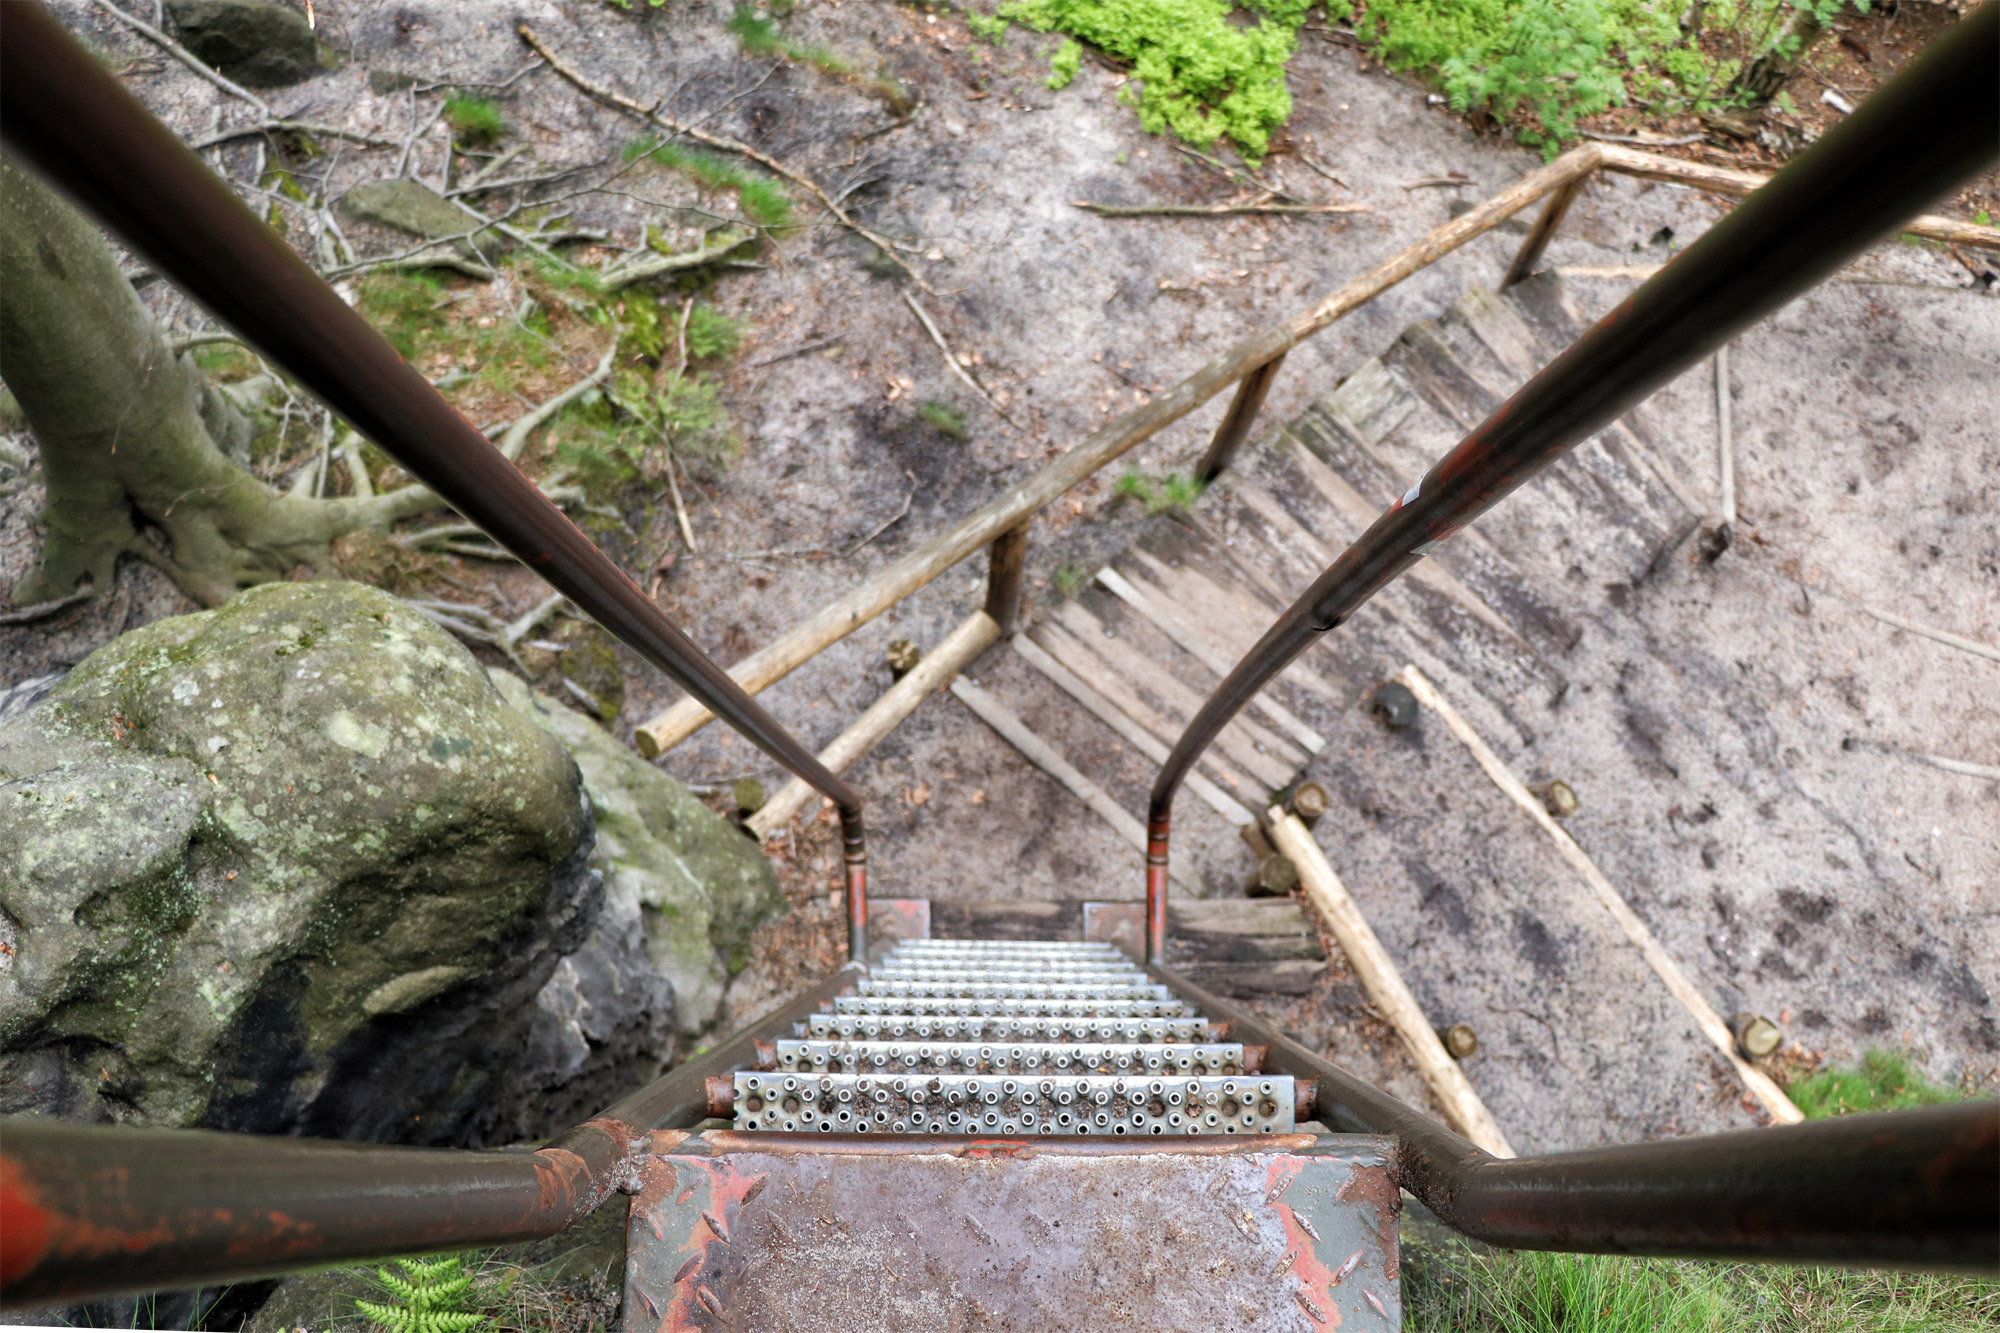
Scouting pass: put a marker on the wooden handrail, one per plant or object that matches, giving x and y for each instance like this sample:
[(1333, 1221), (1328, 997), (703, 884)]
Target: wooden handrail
[(785, 654), (1736, 184), (1244, 360)]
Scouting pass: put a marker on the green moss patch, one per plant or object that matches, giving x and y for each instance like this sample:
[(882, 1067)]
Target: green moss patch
[(1194, 71)]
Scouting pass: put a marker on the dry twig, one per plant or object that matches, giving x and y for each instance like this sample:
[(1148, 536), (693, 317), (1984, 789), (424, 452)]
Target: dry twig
[(1209, 210), (292, 126), (652, 116), (185, 56), (952, 361)]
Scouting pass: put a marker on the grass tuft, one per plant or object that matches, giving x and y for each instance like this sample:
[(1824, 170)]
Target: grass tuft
[(1454, 1290), (759, 36), (1173, 492), (1884, 1082), (763, 201), (475, 121), (943, 418)]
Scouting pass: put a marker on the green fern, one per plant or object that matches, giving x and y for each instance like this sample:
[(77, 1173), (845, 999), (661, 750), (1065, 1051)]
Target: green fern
[(430, 1297)]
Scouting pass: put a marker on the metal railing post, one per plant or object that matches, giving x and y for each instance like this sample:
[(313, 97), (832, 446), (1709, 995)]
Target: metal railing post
[(1544, 231), (1238, 420)]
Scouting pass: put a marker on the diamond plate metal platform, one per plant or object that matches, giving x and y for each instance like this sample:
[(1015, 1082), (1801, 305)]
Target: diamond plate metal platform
[(1290, 1233)]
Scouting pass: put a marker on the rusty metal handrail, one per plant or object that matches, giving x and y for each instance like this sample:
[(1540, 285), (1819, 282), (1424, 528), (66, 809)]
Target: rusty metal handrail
[(1904, 1189), (1928, 129), (64, 113), (92, 1210)]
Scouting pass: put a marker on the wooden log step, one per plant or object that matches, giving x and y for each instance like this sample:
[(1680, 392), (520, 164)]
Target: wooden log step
[(1271, 760), (1205, 644), (1098, 706), (1039, 752), (1458, 625), (1522, 601)]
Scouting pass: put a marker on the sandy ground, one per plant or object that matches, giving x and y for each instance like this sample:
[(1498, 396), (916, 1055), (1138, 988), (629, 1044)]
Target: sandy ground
[(1740, 744)]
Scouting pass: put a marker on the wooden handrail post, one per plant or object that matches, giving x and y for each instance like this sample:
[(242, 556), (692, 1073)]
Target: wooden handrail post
[(1006, 560), (1543, 231), (1238, 420)]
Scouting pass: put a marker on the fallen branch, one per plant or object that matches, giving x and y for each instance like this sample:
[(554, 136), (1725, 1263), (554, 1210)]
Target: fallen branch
[(722, 142), (1643, 140), (655, 264), (952, 361), (888, 522), (1208, 210), (1231, 173), (28, 614), (516, 438), (295, 127), (186, 57), (796, 351)]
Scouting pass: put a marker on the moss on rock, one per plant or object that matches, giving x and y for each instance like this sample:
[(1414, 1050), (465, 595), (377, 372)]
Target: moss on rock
[(252, 852)]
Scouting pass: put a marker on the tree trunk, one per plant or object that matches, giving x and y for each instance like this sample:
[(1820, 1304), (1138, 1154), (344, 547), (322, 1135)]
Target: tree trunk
[(118, 418), (1763, 78)]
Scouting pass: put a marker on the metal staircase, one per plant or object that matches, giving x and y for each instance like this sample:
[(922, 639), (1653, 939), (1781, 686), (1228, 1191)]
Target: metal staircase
[(958, 1135), (1105, 1156), (907, 1071)]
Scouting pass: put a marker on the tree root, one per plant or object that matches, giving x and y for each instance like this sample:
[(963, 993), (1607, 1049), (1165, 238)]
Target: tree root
[(652, 116)]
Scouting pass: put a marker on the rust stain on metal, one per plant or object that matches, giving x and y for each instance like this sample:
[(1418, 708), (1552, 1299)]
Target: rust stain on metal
[(715, 1225), (1377, 1187), (24, 1223), (989, 1149)]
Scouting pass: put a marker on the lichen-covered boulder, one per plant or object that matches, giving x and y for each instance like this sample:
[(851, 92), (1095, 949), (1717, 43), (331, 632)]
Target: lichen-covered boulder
[(258, 42), (291, 865), (699, 887)]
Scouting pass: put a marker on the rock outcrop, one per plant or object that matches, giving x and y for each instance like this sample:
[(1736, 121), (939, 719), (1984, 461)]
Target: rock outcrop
[(300, 865), (287, 866), (257, 42), (699, 886)]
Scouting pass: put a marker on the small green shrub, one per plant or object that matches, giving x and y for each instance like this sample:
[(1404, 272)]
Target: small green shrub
[(1884, 1082), (406, 308), (608, 445), (989, 26), (474, 120), (1193, 71), (1070, 577), (430, 1296), (1173, 492), (943, 418), (712, 334), (762, 199), (1064, 65)]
